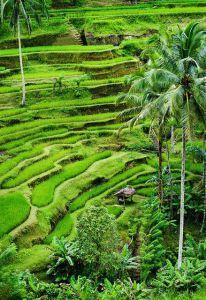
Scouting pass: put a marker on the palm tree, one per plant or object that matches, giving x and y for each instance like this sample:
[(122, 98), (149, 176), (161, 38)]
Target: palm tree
[(22, 10), (143, 93), (178, 70), (185, 99)]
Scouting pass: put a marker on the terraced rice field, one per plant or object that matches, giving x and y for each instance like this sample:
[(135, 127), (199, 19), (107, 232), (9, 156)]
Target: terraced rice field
[(62, 153)]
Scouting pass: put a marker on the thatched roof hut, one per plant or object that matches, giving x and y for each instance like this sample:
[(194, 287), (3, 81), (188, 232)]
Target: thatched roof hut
[(124, 194)]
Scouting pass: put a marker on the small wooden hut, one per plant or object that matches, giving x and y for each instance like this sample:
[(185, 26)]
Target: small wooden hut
[(124, 194)]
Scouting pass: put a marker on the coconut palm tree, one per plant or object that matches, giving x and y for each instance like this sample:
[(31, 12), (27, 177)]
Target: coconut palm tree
[(185, 99), (179, 70), (143, 92), (21, 11)]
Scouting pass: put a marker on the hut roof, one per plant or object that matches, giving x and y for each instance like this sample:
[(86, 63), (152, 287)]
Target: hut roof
[(128, 191)]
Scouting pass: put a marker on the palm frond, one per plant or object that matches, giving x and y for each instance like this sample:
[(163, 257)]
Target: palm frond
[(129, 112), (199, 92), (172, 101), (25, 16), (139, 85), (24, 9)]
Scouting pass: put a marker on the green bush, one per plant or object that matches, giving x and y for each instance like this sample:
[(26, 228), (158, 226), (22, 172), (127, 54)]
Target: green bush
[(63, 258), (27, 286), (97, 243), (95, 252), (190, 277)]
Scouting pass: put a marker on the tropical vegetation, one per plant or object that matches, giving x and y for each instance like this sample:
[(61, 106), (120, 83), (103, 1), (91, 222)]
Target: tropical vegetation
[(103, 171)]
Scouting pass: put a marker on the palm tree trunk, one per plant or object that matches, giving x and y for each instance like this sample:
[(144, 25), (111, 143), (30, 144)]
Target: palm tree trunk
[(170, 181), (2, 11), (172, 140), (204, 186), (182, 198), (21, 64), (160, 183)]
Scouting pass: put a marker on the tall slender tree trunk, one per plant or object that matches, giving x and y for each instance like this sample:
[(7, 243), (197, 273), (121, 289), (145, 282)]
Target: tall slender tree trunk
[(170, 180), (182, 198), (204, 186), (21, 63), (160, 181), (2, 11), (172, 139)]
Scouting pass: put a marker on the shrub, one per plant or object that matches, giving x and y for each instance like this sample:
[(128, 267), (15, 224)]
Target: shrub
[(95, 251), (26, 286), (97, 242), (190, 277), (195, 249), (192, 274), (84, 288), (123, 290)]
